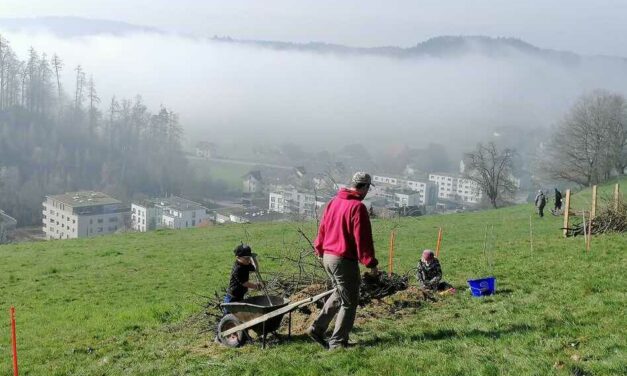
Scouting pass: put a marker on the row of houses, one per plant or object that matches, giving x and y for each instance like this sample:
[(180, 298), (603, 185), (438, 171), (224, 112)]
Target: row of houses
[(439, 186), (87, 213), (388, 191)]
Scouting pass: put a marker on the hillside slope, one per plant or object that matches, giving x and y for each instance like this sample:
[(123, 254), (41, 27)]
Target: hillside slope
[(130, 305)]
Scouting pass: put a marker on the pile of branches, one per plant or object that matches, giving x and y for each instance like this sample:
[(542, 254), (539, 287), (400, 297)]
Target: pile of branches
[(378, 287), (300, 267), (611, 219)]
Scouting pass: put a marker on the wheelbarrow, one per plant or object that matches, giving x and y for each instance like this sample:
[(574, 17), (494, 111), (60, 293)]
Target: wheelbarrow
[(262, 314)]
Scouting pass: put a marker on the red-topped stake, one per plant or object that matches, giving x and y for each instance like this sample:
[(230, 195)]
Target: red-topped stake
[(13, 341), (437, 246)]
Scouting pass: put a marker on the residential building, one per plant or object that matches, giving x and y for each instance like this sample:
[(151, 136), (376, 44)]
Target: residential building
[(146, 215), (291, 201), (451, 187), (252, 182), (427, 190), (82, 214), (171, 212), (205, 150), (407, 198)]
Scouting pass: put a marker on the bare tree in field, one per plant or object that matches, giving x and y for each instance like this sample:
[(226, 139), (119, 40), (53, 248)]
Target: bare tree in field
[(590, 144), (491, 169)]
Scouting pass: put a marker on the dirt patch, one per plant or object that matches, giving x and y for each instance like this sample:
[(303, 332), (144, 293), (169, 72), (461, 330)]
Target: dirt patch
[(392, 306)]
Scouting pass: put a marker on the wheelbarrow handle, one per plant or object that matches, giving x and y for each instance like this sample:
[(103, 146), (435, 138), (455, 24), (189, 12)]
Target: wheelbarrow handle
[(278, 312)]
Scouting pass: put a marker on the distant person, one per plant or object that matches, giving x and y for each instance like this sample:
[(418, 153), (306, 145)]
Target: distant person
[(240, 281), (429, 273), (540, 203), (344, 240), (558, 200)]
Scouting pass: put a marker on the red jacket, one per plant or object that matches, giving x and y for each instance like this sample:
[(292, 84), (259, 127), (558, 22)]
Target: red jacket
[(345, 229)]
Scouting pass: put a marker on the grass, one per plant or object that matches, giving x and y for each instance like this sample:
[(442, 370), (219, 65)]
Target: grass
[(123, 304), (229, 173)]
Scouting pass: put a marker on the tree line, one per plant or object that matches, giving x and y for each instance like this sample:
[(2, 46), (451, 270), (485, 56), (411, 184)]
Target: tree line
[(56, 138)]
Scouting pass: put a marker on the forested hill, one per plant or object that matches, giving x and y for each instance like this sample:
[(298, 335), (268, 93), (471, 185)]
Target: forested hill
[(441, 47), (57, 136)]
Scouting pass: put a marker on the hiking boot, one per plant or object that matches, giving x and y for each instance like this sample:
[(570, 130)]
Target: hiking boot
[(342, 345), (348, 344), (311, 332)]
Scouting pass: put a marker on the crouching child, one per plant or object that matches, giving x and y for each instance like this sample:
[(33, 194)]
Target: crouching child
[(430, 273), (240, 275)]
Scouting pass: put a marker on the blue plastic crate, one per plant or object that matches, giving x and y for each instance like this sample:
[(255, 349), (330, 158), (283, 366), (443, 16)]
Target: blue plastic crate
[(482, 286)]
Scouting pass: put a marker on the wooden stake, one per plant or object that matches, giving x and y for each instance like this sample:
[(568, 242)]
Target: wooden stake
[(566, 212), (585, 232), (593, 209), (439, 242), (616, 195), (589, 235), (391, 253), (13, 341), (530, 235)]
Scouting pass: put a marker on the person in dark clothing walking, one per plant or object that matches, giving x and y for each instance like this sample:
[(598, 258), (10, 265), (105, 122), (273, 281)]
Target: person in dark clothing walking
[(240, 275), (540, 203), (558, 200)]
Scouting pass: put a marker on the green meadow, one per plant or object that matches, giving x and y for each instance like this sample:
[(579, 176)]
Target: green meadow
[(133, 304)]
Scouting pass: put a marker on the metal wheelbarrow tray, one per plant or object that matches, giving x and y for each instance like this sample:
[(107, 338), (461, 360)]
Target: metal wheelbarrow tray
[(262, 314)]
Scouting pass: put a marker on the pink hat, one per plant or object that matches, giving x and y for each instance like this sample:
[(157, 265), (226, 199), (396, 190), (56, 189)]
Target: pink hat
[(427, 254)]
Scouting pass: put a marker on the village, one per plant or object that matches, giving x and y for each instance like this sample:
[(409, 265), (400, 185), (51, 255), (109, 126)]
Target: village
[(268, 194)]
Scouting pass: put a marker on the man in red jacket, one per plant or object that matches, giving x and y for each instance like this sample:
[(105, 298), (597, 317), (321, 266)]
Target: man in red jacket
[(344, 240)]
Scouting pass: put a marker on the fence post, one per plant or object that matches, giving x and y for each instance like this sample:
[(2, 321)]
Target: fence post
[(616, 195), (391, 253), (439, 242), (566, 211), (593, 210), (13, 341)]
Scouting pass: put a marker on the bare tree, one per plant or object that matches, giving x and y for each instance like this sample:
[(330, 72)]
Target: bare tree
[(79, 94), (589, 144), (491, 169), (57, 65), (94, 100)]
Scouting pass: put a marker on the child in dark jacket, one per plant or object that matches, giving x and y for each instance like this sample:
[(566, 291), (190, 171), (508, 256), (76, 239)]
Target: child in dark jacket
[(240, 275)]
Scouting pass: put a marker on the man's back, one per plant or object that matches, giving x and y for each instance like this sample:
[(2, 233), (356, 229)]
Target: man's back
[(345, 230)]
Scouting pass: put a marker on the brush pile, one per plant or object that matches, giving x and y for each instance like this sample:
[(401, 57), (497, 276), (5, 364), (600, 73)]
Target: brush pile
[(378, 287), (611, 219)]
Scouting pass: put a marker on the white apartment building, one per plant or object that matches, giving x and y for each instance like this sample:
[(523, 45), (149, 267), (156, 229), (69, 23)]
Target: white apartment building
[(407, 198), (451, 187), (291, 201), (81, 214), (426, 190), (171, 212)]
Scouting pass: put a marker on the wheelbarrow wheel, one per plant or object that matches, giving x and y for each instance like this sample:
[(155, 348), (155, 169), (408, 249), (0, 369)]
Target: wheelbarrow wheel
[(236, 339)]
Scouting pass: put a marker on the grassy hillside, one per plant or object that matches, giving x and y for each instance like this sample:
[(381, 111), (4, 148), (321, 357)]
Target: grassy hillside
[(129, 305)]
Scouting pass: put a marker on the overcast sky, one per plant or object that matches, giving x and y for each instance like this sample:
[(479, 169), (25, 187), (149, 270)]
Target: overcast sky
[(583, 26)]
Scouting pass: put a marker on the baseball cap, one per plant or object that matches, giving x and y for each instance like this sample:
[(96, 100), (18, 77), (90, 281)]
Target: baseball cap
[(242, 250), (361, 177)]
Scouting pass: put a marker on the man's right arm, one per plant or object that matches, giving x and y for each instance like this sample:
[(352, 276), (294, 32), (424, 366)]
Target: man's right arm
[(362, 231)]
